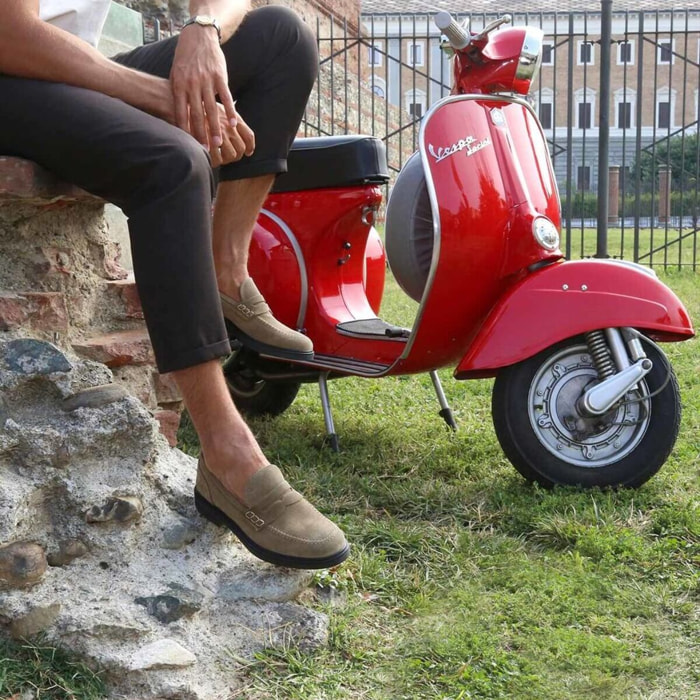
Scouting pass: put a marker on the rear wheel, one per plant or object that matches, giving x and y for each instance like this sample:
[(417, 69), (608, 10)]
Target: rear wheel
[(535, 407), (254, 396)]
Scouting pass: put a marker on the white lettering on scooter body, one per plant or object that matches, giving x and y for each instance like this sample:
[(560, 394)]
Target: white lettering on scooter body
[(469, 143)]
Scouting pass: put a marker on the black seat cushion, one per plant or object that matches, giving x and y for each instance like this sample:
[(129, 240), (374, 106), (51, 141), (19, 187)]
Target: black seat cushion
[(334, 161)]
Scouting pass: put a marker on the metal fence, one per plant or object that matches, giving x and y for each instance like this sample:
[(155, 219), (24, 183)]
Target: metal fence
[(381, 75)]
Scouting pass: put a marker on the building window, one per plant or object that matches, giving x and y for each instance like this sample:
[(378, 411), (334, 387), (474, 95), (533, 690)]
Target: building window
[(415, 102), (546, 115), (585, 113), (664, 52), (547, 54), (665, 108), (624, 115), (625, 105), (584, 177), (414, 54), (625, 53), (586, 54), (415, 109), (585, 108), (376, 54), (378, 86), (663, 115)]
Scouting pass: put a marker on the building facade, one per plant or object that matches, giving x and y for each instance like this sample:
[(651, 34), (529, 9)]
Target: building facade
[(654, 73)]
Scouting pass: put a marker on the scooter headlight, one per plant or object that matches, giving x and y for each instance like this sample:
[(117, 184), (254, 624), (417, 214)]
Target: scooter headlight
[(530, 57), (545, 233)]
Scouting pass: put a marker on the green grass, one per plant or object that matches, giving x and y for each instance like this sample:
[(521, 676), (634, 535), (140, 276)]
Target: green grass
[(660, 247), (48, 672), (465, 581)]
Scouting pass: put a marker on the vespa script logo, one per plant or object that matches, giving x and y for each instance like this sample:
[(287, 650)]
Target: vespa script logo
[(470, 144)]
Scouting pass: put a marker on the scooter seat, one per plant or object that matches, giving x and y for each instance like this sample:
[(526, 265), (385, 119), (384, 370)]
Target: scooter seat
[(334, 161)]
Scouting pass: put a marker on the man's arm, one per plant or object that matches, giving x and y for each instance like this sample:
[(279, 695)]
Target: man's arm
[(31, 48), (199, 71)]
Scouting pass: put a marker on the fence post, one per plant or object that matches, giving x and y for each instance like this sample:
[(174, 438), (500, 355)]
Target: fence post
[(613, 194), (604, 127), (664, 194)]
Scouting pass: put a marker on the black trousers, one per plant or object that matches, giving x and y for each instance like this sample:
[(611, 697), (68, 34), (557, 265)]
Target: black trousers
[(160, 176)]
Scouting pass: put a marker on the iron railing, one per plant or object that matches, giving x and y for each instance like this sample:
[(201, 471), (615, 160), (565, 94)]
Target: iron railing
[(381, 79)]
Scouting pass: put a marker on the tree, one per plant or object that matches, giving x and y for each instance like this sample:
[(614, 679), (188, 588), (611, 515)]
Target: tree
[(681, 154)]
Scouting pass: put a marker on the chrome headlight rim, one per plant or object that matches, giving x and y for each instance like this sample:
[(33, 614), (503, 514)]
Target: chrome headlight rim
[(545, 233), (530, 55)]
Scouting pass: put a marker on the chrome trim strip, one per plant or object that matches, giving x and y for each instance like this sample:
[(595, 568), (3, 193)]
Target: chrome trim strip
[(434, 200), (346, 365), (304, 301)]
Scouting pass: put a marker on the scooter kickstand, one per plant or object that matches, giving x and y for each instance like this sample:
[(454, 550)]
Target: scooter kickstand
[(327, 414), (445, 410)]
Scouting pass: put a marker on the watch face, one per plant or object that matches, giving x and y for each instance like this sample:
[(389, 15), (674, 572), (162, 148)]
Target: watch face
[(204, 20)]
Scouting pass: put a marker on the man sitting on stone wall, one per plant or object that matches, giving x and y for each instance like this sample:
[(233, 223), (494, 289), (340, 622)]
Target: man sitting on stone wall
[(143, 131)]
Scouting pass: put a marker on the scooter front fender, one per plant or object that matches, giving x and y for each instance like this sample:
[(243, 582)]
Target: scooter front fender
[(569, 298)]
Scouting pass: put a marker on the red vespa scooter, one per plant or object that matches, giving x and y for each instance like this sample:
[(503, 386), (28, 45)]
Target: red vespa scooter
[(583, 394)]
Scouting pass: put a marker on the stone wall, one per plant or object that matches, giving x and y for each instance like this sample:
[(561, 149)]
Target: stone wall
[(61, 280), (102, 551)]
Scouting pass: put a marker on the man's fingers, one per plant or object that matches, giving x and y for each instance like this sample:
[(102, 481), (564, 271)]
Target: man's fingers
[(228, 152), (182, 113), (247, 136), (237, 144), (217, 157), (198, 124), (226, 98), (211, 109)]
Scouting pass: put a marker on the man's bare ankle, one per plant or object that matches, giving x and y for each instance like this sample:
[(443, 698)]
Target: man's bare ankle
[(230, 286), (234, 465)]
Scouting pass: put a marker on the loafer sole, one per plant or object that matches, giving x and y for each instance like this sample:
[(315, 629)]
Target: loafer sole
[(265, 348), (214, 515)]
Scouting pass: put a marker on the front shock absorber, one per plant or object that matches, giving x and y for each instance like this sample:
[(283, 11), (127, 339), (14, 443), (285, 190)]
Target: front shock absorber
[(602, 358)]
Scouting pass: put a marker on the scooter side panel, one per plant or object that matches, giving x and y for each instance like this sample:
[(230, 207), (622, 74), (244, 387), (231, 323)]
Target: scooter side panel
[(488, 176), (570, 298), (342, 268)]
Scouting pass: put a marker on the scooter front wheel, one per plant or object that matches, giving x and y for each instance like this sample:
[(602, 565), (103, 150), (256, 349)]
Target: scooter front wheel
[(549, 439)]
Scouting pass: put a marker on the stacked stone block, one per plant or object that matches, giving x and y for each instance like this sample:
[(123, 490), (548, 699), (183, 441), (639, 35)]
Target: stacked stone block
[(61, 280)]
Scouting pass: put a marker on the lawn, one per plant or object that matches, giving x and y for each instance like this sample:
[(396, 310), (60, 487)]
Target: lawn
[(663, 247), (467, 582)]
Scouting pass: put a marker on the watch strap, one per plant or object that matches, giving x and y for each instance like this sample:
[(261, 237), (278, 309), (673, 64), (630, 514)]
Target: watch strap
[(204, 21)]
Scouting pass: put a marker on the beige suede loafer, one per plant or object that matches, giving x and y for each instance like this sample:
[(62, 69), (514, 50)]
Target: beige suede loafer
[(275, 522), (251, 322)]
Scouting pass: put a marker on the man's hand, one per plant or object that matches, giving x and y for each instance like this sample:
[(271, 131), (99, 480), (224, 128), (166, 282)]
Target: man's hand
[(198, 75), (237, 141)]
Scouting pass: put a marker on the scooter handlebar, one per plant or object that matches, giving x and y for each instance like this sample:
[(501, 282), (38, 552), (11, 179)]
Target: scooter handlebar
[(456, 34)]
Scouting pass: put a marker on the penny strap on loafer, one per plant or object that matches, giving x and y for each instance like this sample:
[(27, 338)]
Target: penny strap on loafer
[(272, 505), (275, 522), (254, 305)]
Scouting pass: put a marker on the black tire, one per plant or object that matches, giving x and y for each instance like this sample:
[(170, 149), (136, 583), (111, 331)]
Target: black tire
[(257, 397), (548, 441)]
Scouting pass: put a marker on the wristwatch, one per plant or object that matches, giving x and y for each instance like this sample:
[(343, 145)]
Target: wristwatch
[(204, 21)]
